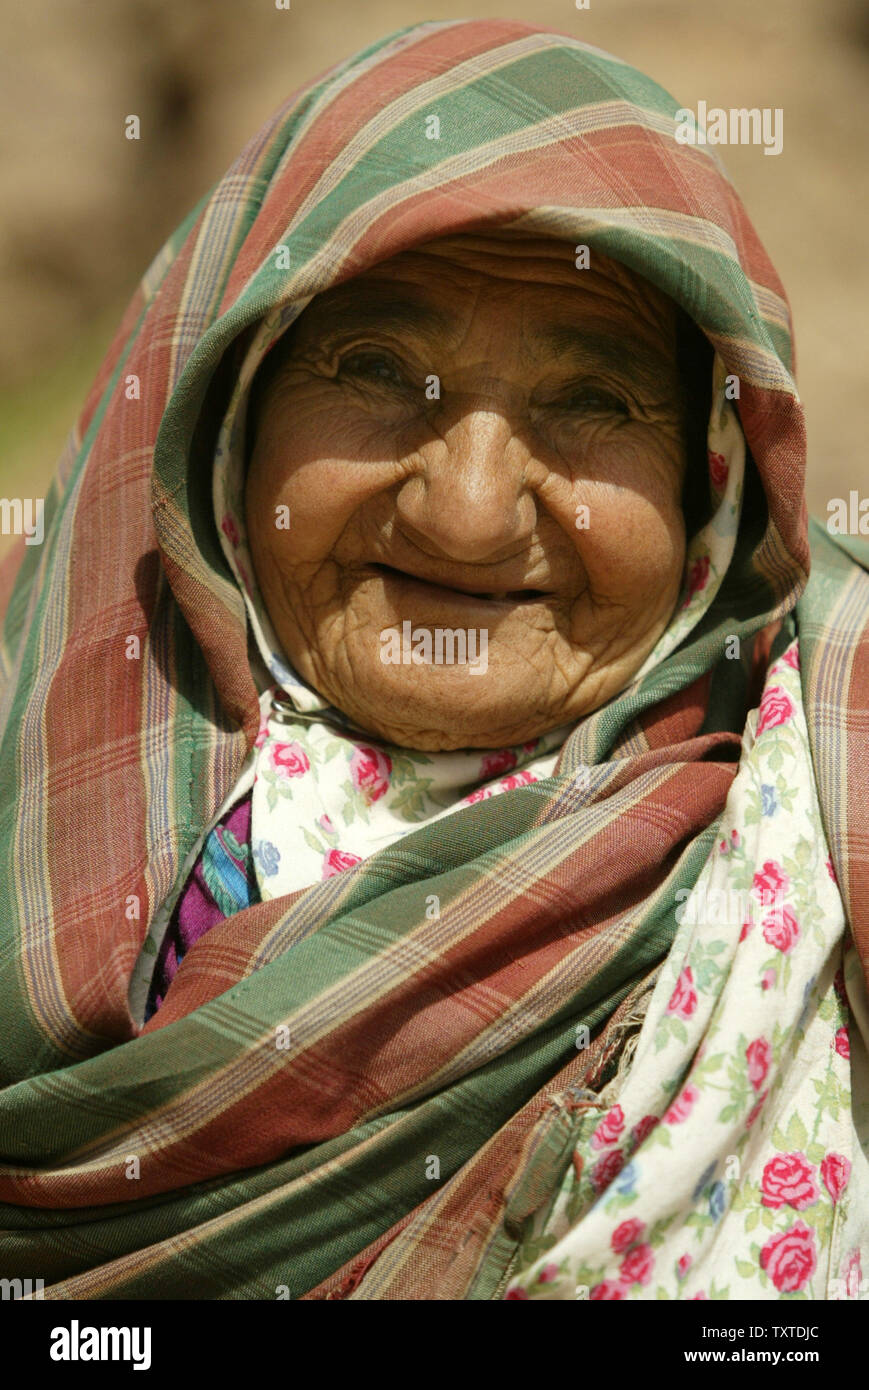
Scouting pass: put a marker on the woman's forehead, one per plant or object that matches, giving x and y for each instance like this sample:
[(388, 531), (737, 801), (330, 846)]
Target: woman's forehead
[(553, 274), (543, 260)]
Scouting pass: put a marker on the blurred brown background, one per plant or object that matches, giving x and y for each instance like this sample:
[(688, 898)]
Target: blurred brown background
[(85, 210)]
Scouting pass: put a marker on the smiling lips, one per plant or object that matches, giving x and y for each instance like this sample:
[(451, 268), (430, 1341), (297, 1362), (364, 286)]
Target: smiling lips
[(511, 596)]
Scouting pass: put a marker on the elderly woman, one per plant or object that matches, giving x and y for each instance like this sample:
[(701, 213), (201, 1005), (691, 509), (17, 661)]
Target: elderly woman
[(434, 830)]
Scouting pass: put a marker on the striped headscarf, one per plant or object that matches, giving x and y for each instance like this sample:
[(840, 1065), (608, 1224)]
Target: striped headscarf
[(341, 1094)]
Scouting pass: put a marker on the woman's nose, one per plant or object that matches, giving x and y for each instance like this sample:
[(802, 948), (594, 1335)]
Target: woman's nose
[(469, 497)]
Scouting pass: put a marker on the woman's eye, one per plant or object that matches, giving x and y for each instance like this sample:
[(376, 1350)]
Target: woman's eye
[(373, 366), (594, 400)]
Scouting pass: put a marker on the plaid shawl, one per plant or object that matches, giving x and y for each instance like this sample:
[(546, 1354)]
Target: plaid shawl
[(194, 1157)]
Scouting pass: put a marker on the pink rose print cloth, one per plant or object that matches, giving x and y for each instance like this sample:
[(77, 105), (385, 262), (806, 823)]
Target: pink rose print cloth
[(748, 1086), (324, 799)]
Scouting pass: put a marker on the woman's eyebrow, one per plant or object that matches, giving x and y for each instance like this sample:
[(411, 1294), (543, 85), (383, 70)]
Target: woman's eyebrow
[(622, 353), (374, 308)]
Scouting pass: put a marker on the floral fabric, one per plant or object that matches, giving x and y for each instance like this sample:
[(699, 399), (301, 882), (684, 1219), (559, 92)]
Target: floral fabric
[(731, 1161)]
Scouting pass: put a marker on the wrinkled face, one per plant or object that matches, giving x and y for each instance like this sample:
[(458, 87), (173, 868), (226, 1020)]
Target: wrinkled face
[(479, 439)]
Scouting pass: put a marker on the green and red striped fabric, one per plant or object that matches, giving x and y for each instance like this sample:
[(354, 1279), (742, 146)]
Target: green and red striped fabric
[(264, 1169)]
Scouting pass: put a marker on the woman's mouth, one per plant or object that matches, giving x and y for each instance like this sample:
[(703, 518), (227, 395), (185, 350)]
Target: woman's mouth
[(448, 589)]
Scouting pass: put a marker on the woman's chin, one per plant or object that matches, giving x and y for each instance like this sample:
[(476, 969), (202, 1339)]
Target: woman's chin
[(437, 709)]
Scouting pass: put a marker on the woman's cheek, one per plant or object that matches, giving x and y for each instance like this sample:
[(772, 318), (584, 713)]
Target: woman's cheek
[(320, 493), (629, 545)]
